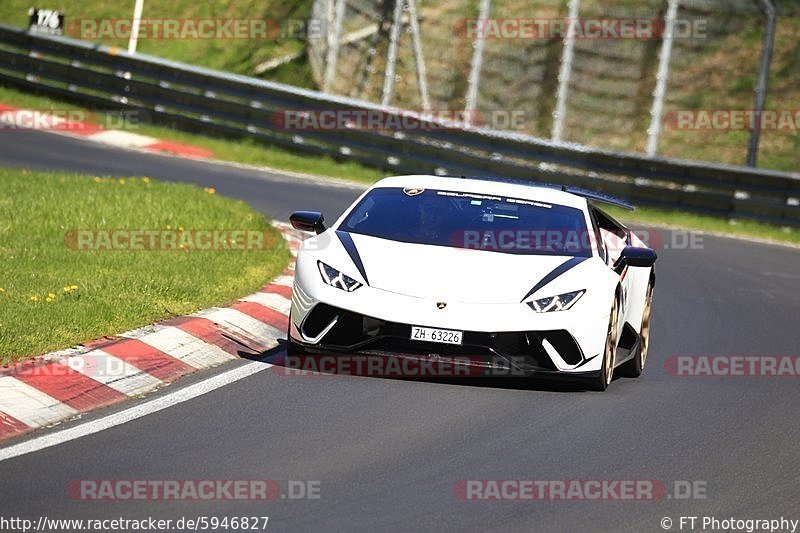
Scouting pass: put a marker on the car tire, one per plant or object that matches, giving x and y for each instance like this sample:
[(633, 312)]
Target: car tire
[(603, 379), (634, 367)]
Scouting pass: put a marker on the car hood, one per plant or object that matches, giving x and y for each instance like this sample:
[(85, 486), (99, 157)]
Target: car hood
[(453, 274)]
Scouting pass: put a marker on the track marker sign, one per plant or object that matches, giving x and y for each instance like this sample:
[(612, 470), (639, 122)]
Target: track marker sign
[(48, 21)]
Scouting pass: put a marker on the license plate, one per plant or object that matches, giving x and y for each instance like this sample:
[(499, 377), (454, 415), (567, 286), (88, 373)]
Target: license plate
[(443, 336)]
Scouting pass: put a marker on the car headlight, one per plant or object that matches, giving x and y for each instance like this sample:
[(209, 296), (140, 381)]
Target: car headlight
[(334, 278), (562, 302)]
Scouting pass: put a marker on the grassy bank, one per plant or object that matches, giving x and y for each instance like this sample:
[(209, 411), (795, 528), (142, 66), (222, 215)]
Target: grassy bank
[(53, 295), (85, 17)]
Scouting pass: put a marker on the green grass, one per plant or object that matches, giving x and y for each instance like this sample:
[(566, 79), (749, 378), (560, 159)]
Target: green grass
[(644, 216), (52, 296), (233, 55), (249, 152)]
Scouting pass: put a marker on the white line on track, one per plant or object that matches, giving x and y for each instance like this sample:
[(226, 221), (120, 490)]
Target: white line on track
[(138, 411)]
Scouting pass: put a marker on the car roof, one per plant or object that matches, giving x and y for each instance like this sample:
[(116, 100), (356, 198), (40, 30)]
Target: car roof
[(503, 187)]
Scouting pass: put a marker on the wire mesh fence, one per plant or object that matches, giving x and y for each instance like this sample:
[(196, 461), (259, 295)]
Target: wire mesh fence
[(610, 90)]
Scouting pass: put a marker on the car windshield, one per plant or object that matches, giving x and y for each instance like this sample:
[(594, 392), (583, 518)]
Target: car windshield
[(470, 220)]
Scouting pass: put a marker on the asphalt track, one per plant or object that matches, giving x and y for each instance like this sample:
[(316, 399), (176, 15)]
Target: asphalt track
[(387, 453)]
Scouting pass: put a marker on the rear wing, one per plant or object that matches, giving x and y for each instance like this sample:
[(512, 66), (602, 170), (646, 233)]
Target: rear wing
[(598, 197)]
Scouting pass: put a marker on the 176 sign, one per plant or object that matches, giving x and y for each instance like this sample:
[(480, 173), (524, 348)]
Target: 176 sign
[(50, 21)]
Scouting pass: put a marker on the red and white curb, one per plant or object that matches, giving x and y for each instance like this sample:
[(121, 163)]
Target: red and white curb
[(13, 118), (60, 385)]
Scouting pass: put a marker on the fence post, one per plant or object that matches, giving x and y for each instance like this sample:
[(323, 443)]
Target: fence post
[(138, 7), (419, 58), (763, 81), (565, 73), (475, 68), (334, 36), (657, 111), (391, 59)]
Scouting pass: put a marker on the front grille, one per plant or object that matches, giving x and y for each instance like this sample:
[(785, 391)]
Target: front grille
[(356, 333)]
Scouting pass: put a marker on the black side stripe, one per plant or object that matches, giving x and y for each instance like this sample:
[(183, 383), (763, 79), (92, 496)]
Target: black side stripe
[(557, 271), (352, 251)]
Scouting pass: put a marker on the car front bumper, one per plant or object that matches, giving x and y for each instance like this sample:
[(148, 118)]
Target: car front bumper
[(325, 319)]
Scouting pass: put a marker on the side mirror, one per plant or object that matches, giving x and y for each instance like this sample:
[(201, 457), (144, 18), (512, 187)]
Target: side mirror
[(308, 221), (636, 257)]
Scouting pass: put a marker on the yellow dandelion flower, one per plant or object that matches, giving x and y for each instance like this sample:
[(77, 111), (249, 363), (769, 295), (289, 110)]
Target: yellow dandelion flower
[(48, 299), (122, 181), (97, 179), (34, 298), (169, 227), (146, 179), (73, 287), (180, 228), (210, 190), (51, 295), (2, 289)]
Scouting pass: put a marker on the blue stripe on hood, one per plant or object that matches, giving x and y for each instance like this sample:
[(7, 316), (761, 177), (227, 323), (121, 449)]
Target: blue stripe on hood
[(557, 271), (352, 251)]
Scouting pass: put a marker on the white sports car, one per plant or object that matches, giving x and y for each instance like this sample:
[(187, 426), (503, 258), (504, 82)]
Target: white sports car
[(536, 280)]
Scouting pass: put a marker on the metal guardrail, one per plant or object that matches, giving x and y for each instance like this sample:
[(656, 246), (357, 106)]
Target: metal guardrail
[(196, 98)]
